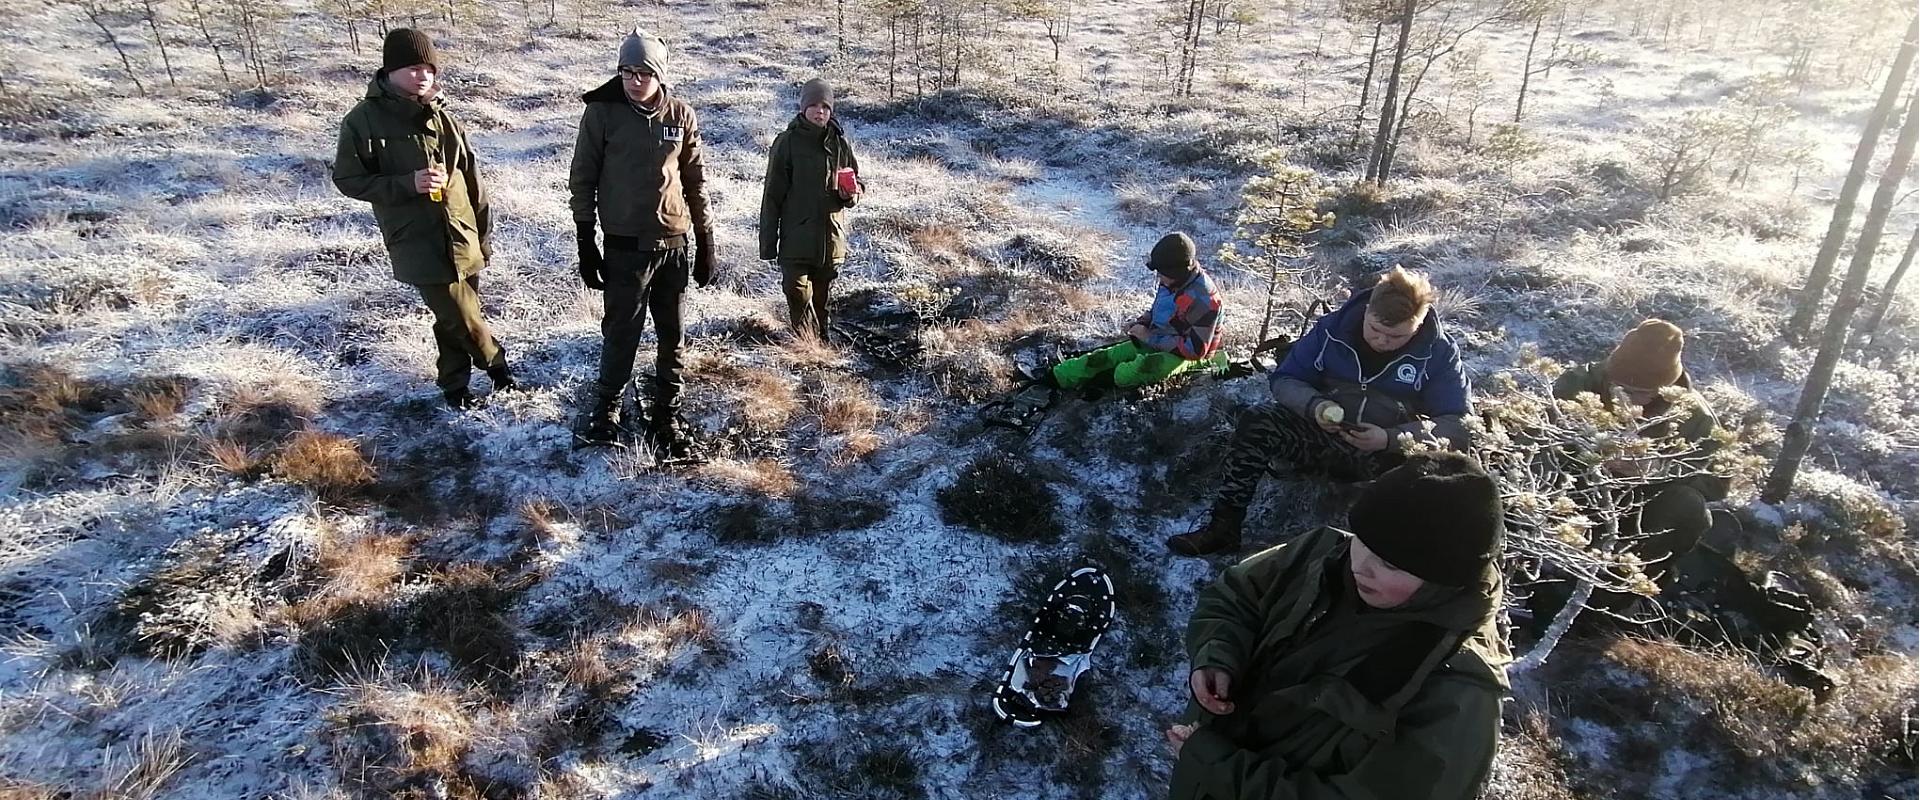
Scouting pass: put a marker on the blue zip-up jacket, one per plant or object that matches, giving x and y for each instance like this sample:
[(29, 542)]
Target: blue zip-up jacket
[(1424, 382), (1185, 321)]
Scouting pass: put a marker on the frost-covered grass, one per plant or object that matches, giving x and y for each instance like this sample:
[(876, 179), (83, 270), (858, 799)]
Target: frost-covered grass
[(246, 552)]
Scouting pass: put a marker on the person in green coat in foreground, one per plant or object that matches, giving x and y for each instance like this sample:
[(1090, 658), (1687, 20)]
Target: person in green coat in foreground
[(1361, 664)]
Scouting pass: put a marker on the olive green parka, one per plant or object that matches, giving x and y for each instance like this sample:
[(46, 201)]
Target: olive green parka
[(383, 141), (1336, 700), (802, 216)]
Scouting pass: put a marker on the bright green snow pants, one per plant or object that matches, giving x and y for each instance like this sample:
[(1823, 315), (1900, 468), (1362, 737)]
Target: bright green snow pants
[(1129, 363)]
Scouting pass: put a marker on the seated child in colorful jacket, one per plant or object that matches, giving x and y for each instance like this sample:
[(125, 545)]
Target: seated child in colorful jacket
[(1180, 332)]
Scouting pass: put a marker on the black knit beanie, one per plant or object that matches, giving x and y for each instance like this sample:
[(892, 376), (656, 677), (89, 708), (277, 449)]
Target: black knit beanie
[(1436, 516), (1173, 256), (406, 47)]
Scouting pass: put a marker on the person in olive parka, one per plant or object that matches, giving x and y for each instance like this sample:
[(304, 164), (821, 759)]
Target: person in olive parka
[(638, 171), (803, 221), (401, 151), (1361, 663)]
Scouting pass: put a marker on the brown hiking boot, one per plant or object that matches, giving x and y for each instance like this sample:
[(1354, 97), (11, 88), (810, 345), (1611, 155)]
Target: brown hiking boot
[(1220, 533)]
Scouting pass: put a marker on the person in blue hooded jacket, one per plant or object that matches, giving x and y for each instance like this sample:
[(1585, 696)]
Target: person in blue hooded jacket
[(1368, 379)]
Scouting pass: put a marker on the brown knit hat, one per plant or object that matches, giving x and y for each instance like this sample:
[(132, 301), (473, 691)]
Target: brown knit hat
[(406, 47), (1648, 357)]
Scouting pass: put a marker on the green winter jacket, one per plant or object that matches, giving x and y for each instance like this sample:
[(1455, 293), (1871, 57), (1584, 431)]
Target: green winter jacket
[(802, 218), (1336, 700), (383, 141), (640, 174), (1698, 427)]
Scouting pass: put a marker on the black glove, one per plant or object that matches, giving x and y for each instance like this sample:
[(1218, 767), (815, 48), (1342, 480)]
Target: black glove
[(590, 261), (703, 259)]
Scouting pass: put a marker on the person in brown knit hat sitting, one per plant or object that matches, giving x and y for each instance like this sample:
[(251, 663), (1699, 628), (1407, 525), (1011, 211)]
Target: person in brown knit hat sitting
[(1672, 515)]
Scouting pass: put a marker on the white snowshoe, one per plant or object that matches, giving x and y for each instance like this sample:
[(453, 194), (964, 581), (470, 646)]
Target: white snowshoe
[(1040, 677)]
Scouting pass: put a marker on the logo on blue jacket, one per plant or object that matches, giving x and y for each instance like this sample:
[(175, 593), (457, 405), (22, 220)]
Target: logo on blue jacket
[(1407, 374)]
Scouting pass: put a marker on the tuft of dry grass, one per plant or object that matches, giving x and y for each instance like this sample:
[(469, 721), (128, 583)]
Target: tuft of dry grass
[(855, 447), (330, 465), (761, 476), (538, 513), (940, 242), (260, 417), (146, 769), (236, 459), (389, 736), (844, 405), (39, 404), (157, 400), (962, 363), (354, 571), (661, 634), (1772, 738)]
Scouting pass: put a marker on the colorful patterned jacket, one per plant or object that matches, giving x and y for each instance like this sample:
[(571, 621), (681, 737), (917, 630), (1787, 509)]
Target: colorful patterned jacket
[(1185, 321)]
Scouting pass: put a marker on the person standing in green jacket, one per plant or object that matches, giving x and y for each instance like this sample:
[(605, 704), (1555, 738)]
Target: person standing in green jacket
[(401, 151), (638, 171), (803, 203), (1355, 665)]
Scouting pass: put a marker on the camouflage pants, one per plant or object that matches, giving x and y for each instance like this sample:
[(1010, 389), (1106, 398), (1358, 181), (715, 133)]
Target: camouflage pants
[(1271, 432)]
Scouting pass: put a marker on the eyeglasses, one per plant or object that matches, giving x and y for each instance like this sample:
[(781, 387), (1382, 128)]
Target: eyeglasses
[(635, 73)]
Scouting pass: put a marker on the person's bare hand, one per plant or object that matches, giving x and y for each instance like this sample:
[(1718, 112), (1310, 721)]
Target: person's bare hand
[(1211, 689), (1137, 331), (1177, 736), (1367, 438), (429, 179)]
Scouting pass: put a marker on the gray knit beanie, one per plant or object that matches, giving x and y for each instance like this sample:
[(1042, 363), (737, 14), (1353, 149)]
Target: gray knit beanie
[(644, 50), (816, 91)]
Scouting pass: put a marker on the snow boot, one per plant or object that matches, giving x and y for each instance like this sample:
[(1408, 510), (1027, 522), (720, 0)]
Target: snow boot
[(1220, 533)]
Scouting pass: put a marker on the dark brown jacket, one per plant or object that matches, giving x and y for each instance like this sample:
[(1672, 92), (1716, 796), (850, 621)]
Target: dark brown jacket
[(639, 174)]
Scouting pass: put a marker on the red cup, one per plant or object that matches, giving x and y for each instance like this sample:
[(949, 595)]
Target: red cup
[(845, 180)]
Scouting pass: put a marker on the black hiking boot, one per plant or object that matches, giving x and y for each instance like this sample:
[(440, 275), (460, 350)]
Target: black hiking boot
[(599, 428), (502, 379), (668, 441), (664, 433), (1220, 533), (461, 399)]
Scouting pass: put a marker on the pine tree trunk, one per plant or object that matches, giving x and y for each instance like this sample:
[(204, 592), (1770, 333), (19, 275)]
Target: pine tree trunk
[(1377, 158), (1526, 73), (153, 24), (200, 20), (1799, 434), (1366, 85), (94, 14), (1822, 271), (1872, 329)]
